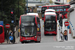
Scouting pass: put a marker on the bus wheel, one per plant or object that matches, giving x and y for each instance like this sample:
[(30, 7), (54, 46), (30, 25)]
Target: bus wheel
[(45, 35), (22, 42), (37, 41)]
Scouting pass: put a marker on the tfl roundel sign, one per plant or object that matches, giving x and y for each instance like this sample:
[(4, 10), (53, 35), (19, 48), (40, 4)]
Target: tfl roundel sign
[(66, 23), (7, 25)]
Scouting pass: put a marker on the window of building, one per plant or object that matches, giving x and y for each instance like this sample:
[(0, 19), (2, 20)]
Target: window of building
[(57, 0)]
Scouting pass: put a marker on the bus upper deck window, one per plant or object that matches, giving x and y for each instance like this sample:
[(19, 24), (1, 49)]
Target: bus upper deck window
[(1, 30)]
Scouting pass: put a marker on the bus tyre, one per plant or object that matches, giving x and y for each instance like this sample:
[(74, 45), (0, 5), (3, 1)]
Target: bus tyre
[(44, 34), (37, 41), (22, 42)]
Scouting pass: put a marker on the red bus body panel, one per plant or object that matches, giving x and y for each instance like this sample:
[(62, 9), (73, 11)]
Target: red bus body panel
[(37, 38), (2, 38), (28, 38), (50, 32)]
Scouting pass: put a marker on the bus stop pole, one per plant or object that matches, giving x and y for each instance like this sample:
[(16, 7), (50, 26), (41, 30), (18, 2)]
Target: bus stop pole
[(7, 36)]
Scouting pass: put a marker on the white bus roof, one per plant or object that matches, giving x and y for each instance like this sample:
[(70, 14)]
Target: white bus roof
[(47, 13), (32, 14), (52, 10)]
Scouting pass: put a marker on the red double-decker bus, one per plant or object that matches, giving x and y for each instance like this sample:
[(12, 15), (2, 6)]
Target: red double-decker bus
[(59, 9), (30, 28), (50, 23), (2, 38)]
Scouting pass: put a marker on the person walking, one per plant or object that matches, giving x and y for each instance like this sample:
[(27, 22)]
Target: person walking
[(61, 35), (65, 35)]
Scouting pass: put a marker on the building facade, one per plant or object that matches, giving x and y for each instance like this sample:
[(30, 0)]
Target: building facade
[(62, 1), (44, 2)]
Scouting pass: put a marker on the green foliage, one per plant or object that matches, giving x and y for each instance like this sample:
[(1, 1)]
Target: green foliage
[(5, 9)]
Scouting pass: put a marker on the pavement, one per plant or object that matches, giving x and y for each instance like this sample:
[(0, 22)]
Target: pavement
[(16, 42)]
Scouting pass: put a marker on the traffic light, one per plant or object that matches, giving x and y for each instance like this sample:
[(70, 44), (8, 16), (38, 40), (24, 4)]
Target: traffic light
[(12, 16), (60, 21)]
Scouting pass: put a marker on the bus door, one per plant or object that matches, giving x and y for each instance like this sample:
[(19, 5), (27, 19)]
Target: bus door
[(38, 30), (1, 34)]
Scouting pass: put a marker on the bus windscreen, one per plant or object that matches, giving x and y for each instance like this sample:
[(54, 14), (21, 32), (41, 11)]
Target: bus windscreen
[(28, 31), (50, 23), (28, 27)]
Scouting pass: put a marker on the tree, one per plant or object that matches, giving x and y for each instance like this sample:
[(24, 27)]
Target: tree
[(5, 9)]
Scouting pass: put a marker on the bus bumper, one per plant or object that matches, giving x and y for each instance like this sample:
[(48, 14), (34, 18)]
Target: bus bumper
[(52, 32), (27, 39)]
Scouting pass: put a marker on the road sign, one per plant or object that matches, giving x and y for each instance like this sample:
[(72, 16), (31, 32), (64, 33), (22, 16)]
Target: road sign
[(1, 23), (7, 25), (66, 23), (10, 37)]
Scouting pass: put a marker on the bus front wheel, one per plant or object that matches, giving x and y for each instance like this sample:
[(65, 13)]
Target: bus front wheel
[(22, 42), (37, 41), (45, 34)]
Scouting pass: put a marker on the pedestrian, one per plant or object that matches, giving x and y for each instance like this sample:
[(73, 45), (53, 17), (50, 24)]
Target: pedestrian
[(65, 35), (61, 35), (10, 37)]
